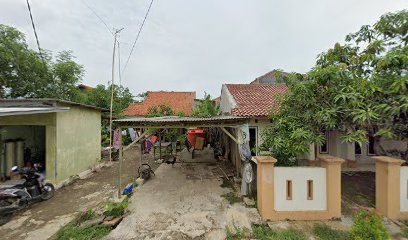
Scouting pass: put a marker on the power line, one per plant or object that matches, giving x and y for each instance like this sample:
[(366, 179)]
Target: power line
[(138, 34), (35, 33), (94, 12)]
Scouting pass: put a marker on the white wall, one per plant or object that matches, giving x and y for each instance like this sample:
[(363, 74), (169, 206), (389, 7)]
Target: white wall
[(261, 124), (404, 189), (299, 177), (227, 102)]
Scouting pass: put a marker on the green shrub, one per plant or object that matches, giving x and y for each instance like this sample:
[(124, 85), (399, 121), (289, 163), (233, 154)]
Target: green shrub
[(115, 209), (368, 225), (324, 232), (231, 197), (404, 232)]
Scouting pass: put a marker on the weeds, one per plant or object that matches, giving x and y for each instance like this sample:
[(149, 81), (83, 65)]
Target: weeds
[(404, 232), (324, 232), (235, 234), (231, 197), (262, 232), (73, 230), (115, 209)]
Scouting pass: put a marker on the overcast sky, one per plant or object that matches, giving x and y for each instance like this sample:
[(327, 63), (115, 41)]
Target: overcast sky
[(194, 45)]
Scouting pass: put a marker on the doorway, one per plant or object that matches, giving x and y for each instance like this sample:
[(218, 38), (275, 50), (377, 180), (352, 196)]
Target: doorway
[(253, 140)]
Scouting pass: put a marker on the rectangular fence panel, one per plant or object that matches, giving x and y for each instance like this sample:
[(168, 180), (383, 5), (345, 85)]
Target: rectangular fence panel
[(404, 189), (300, 189)]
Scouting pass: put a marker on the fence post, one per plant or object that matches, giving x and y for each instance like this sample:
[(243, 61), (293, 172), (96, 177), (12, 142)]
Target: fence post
[(265, 189), (333, 184), (387, 186)]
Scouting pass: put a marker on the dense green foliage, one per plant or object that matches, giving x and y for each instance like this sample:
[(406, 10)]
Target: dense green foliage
[(368, 225), (160, 111), (359, 88), (23, 73), (206, 108)]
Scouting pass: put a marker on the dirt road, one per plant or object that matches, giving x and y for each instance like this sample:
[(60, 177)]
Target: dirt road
[(42, 220)]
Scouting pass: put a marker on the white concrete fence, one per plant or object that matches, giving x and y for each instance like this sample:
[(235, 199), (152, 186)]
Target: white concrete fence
[(299, 193)]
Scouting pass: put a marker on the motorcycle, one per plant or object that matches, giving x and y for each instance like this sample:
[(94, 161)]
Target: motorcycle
[(18, 194)]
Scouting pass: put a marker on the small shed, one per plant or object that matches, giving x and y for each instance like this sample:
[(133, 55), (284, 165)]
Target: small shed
[(65, 137)]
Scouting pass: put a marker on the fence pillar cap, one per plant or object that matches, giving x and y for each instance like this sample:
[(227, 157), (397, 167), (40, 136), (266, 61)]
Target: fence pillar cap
[(330, 159), (388, 160), (265, 159)]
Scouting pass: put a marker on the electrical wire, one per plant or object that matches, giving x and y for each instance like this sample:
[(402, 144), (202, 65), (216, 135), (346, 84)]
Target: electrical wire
[(35, 33), (138, 35), (96, 14)]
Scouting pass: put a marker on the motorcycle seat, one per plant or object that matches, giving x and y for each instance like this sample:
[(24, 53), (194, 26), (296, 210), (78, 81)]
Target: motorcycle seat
[(18, 183)]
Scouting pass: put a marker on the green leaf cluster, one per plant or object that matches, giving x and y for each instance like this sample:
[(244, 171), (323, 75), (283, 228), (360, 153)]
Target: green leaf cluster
[(359, 88)]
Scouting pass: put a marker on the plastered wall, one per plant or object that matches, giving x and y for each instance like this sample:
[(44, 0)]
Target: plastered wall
[(299, 177)]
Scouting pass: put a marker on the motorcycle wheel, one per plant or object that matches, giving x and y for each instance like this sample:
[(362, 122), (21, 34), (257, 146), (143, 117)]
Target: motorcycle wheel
[(49, 191)]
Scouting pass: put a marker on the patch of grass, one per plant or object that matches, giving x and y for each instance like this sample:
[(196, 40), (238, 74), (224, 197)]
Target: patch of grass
[(235, 234), (115, 209), (404, 232), (263, 232), (324, 232), (78, 233), (231, 197), (73, 230)]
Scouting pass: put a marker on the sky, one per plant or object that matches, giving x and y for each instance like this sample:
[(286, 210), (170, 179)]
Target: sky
[(193, 45)]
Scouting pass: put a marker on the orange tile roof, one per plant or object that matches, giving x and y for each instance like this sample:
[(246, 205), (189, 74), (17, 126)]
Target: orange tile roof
[(178, 101), (255, 100)]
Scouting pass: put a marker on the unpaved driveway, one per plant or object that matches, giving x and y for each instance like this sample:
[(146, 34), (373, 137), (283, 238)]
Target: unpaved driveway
[(175, 205), (42, 220)]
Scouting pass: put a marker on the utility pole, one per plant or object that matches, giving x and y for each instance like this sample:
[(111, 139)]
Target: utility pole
[(117, 31)]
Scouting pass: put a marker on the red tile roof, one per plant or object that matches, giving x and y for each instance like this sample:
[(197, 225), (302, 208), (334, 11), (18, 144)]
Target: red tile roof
[(178, 101), (255, 100)]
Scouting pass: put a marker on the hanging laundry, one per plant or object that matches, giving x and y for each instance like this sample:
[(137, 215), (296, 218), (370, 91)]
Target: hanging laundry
[(132, 134)]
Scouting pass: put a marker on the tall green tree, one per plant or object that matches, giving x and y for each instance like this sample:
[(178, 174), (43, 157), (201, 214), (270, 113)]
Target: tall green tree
[(26, 73), (359, 88), (206, 108)]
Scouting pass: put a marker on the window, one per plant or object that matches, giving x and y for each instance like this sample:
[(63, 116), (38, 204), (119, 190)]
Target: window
[(309, 189), (357, 148), (370, 146), (324, 148), (288, 189)]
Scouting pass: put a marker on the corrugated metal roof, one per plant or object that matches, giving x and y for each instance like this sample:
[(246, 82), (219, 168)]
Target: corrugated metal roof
[(16, 111), (42, 102), (183, 121)]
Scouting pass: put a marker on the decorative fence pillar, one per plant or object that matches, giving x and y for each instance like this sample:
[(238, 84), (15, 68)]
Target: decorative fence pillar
[(388, 187), (265, 189), (293, 202), (333, 184)]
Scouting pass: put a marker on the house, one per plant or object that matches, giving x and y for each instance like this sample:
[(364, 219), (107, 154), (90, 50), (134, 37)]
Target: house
[(273, 76), (254, 101), (84, 88), (353, 153), (65, 137), (180, 102)]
